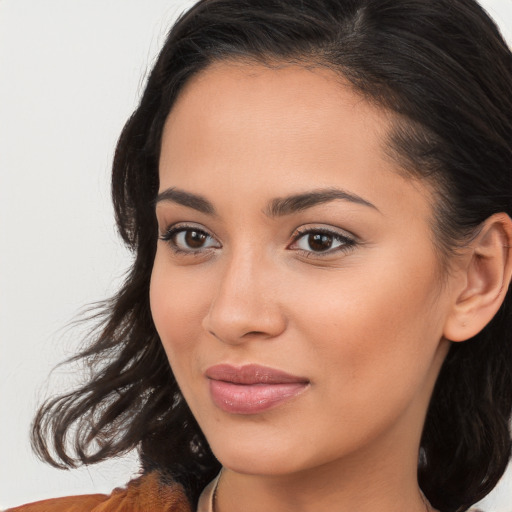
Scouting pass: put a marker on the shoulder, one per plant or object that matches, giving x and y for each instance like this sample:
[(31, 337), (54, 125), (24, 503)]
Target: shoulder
[(148, 492), (84, 503)]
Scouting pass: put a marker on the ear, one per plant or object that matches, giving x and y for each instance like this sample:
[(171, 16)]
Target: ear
[(485, 277)]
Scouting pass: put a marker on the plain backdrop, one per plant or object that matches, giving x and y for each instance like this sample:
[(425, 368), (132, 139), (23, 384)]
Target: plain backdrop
[(71, 72)]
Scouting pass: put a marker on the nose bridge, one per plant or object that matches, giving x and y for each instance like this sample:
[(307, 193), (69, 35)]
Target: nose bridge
[(245, 301)]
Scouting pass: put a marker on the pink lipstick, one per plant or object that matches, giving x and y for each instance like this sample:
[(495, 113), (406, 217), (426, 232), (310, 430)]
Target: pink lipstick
[(251, 389)]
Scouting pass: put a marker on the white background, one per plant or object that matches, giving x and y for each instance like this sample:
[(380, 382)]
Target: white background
[(71, 72)]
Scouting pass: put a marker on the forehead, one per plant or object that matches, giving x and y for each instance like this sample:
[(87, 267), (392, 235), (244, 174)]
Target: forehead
[(294, 103), (280, 130)]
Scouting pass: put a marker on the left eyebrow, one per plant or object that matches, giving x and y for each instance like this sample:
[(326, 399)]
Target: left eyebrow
[(194, 201), (290, 204)]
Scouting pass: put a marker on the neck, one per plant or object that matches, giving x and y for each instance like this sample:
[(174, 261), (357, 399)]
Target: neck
[(382, 477), (254, 495)]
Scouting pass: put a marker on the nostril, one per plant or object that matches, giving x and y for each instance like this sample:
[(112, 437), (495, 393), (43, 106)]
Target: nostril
[(244, 335), (255, 333), (213, 334)]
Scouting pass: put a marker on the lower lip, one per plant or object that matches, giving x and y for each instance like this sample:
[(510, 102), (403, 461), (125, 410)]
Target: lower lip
[(252, 398)]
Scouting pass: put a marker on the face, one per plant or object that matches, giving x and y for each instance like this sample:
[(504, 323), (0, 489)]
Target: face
[(296, 288)]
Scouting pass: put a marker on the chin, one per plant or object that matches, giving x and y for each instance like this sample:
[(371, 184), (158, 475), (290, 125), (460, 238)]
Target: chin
[(259, 464), (250, 455), (273, 454)]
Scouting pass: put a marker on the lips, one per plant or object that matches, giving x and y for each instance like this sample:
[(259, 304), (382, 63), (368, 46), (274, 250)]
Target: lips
[(251, 389)]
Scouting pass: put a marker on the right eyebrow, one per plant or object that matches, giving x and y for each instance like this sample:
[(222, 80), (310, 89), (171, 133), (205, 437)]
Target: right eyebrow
[(291, 204), (188, 199)]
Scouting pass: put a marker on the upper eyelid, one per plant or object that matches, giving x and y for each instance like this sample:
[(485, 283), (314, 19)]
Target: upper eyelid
[(302, 230), (184, 225), (297, 231)]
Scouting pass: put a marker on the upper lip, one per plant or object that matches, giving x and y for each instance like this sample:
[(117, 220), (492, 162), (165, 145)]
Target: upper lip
[(251, 374)]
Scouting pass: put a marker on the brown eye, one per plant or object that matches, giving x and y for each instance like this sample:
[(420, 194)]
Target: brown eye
[(322, 241), (194, 239), (319, 242), (191, 240)]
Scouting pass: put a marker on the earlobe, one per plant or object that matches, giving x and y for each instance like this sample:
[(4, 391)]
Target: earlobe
[(487, 274)]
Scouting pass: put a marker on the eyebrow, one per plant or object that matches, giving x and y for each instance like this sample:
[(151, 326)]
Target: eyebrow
[(188, 199), (295, 203), (277, 207)]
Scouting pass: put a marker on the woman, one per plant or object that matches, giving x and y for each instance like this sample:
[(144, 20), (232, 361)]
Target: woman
[(318, 196)]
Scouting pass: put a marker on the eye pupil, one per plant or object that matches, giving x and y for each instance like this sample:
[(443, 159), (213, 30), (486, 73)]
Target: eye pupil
[(195, 239), (320, 241)]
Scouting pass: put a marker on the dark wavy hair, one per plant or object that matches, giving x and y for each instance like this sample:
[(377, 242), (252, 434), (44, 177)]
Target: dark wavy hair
[(443, 69)]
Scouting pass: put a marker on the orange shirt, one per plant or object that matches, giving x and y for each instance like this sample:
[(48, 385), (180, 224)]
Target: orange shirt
[(144, 494)]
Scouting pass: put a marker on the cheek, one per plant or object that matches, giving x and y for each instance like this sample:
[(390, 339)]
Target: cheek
[(178, 306), (375, 327)]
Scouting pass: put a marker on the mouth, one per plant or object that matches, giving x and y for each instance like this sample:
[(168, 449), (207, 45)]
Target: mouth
[(251, 389)]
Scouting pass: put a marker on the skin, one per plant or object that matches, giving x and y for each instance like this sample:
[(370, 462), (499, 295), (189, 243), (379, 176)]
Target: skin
[(363, 324)]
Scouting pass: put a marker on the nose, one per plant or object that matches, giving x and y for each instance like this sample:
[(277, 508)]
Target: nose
[(245, 304)]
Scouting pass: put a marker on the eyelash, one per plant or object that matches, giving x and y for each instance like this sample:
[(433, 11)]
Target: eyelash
[(172, 231), (346, 242)]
